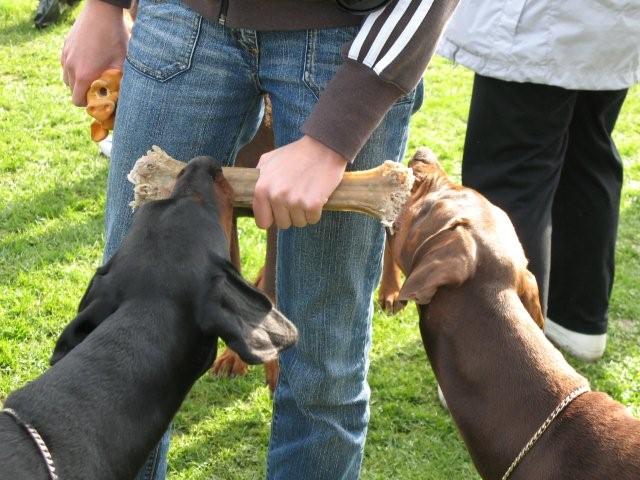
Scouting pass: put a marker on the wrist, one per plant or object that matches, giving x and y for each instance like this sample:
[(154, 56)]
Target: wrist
[(324, 152)]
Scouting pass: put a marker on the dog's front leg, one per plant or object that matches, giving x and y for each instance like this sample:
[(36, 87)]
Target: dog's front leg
[(390, 284)]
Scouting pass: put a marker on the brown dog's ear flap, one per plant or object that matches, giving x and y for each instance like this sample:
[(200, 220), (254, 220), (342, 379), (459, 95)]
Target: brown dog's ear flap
[(94, 308), (446, 258), (530, 296), (245, 319)]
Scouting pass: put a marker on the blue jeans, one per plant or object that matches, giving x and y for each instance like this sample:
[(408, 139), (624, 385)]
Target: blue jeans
[(195, 88)]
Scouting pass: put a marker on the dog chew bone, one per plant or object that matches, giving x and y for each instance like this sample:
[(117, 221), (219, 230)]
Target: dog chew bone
[(380, 192)]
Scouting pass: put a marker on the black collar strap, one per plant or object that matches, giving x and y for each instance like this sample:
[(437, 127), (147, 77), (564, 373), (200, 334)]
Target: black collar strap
[(42, 447)]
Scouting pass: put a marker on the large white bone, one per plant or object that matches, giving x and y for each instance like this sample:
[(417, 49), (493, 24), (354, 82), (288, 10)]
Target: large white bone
[(380, 192)]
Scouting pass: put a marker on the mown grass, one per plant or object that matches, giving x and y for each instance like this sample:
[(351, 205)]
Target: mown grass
[(52, 186)]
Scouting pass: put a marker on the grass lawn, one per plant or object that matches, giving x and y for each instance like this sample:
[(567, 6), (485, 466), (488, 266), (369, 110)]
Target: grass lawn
[(52, 185)]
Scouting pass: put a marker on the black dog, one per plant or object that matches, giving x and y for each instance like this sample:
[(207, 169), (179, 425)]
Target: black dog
[(147, 328)]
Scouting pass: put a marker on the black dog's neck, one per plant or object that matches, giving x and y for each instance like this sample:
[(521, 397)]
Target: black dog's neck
[(13, 437), (500, 376), (116, 392)]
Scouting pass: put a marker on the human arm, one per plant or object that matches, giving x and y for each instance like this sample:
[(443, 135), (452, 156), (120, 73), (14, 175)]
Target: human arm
[(385, 61), (295, 182), (97, 42)]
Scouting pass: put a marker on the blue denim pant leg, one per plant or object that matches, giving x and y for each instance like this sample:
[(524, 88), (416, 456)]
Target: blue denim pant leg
[(326, 276), (188, 88)]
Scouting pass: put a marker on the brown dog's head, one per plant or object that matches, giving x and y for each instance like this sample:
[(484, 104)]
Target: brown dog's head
[(431, 243), (425, 167), (443, 232)]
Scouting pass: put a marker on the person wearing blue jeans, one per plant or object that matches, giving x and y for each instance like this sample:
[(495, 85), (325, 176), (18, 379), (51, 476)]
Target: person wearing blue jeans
[(194, 86)]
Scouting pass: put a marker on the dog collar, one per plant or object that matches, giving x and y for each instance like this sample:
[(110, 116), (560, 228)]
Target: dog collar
[(552, 416), (40, 444)]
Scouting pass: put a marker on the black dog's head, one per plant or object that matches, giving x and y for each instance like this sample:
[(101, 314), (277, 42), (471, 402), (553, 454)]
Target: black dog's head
[(221, 303), (202, 179)]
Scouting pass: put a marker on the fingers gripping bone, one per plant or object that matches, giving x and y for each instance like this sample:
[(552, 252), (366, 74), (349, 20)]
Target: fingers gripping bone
[(380, 192), (102, 98)]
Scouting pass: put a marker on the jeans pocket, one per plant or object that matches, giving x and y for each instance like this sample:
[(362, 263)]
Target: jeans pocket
[(164, 38), (323, 56)]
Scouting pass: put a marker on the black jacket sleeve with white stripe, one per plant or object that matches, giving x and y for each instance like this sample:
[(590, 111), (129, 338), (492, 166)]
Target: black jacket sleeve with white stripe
[(384, 62)]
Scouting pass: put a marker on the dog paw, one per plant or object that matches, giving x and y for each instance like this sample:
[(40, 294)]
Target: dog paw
[(389, 302), (229, 364)]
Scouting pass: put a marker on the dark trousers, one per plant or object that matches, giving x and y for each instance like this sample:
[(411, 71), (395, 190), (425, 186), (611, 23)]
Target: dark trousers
[(545, 155)]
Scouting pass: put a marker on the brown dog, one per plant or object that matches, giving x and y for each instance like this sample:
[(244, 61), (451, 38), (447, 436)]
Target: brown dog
[(502, 379), (230, 364)]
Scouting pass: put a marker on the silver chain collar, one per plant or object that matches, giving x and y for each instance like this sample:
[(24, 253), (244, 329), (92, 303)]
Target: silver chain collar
[(42, 446), (536, 436)]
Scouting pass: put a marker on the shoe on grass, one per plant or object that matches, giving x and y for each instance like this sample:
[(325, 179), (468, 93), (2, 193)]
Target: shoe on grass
[(589, 348), (105, 146)]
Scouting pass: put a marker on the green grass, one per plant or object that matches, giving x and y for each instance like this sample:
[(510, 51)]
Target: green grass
[(52, 186)]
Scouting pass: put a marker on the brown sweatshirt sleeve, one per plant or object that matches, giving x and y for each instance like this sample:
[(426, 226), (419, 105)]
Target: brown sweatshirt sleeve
[(385, 61)]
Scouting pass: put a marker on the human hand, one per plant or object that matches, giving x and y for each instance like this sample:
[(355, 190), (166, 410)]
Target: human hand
[(97, 42), (295, 182)]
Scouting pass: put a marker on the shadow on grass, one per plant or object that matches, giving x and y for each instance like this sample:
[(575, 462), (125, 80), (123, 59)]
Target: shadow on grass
[(49, 248), (407, 401), (19, 32), (22, 252), (51, 203)]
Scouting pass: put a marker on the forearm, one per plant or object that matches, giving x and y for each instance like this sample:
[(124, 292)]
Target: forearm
[(96, 42), (385, 61)]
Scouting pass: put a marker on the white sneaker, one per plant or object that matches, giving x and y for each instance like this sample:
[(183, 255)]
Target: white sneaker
[(443, 401), (589, 348), (105, 146)]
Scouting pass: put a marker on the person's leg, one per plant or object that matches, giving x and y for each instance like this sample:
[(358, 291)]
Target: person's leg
[(188, 88), (585, 217), (326, 275), (515, 145)]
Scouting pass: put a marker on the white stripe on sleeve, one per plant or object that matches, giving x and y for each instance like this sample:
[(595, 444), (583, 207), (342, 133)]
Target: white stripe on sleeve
[(385, 32), (356, 46), (404, 38)]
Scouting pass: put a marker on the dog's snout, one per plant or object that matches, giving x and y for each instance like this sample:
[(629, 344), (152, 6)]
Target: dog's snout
[(207, 164), (425, 155)]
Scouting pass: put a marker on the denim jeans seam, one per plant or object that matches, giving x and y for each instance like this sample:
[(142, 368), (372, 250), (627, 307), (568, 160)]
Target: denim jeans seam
[(236, 140), (272, 435), (154, 465), (402, 146), (309, 63), (183, 63)]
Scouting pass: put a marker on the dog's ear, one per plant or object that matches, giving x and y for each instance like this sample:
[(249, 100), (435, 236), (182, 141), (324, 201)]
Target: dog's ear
[(93, 309), (244, 318), (446, 258), (530, 296)]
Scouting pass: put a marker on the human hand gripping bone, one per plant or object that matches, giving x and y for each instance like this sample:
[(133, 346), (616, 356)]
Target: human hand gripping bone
[(380, 192)]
